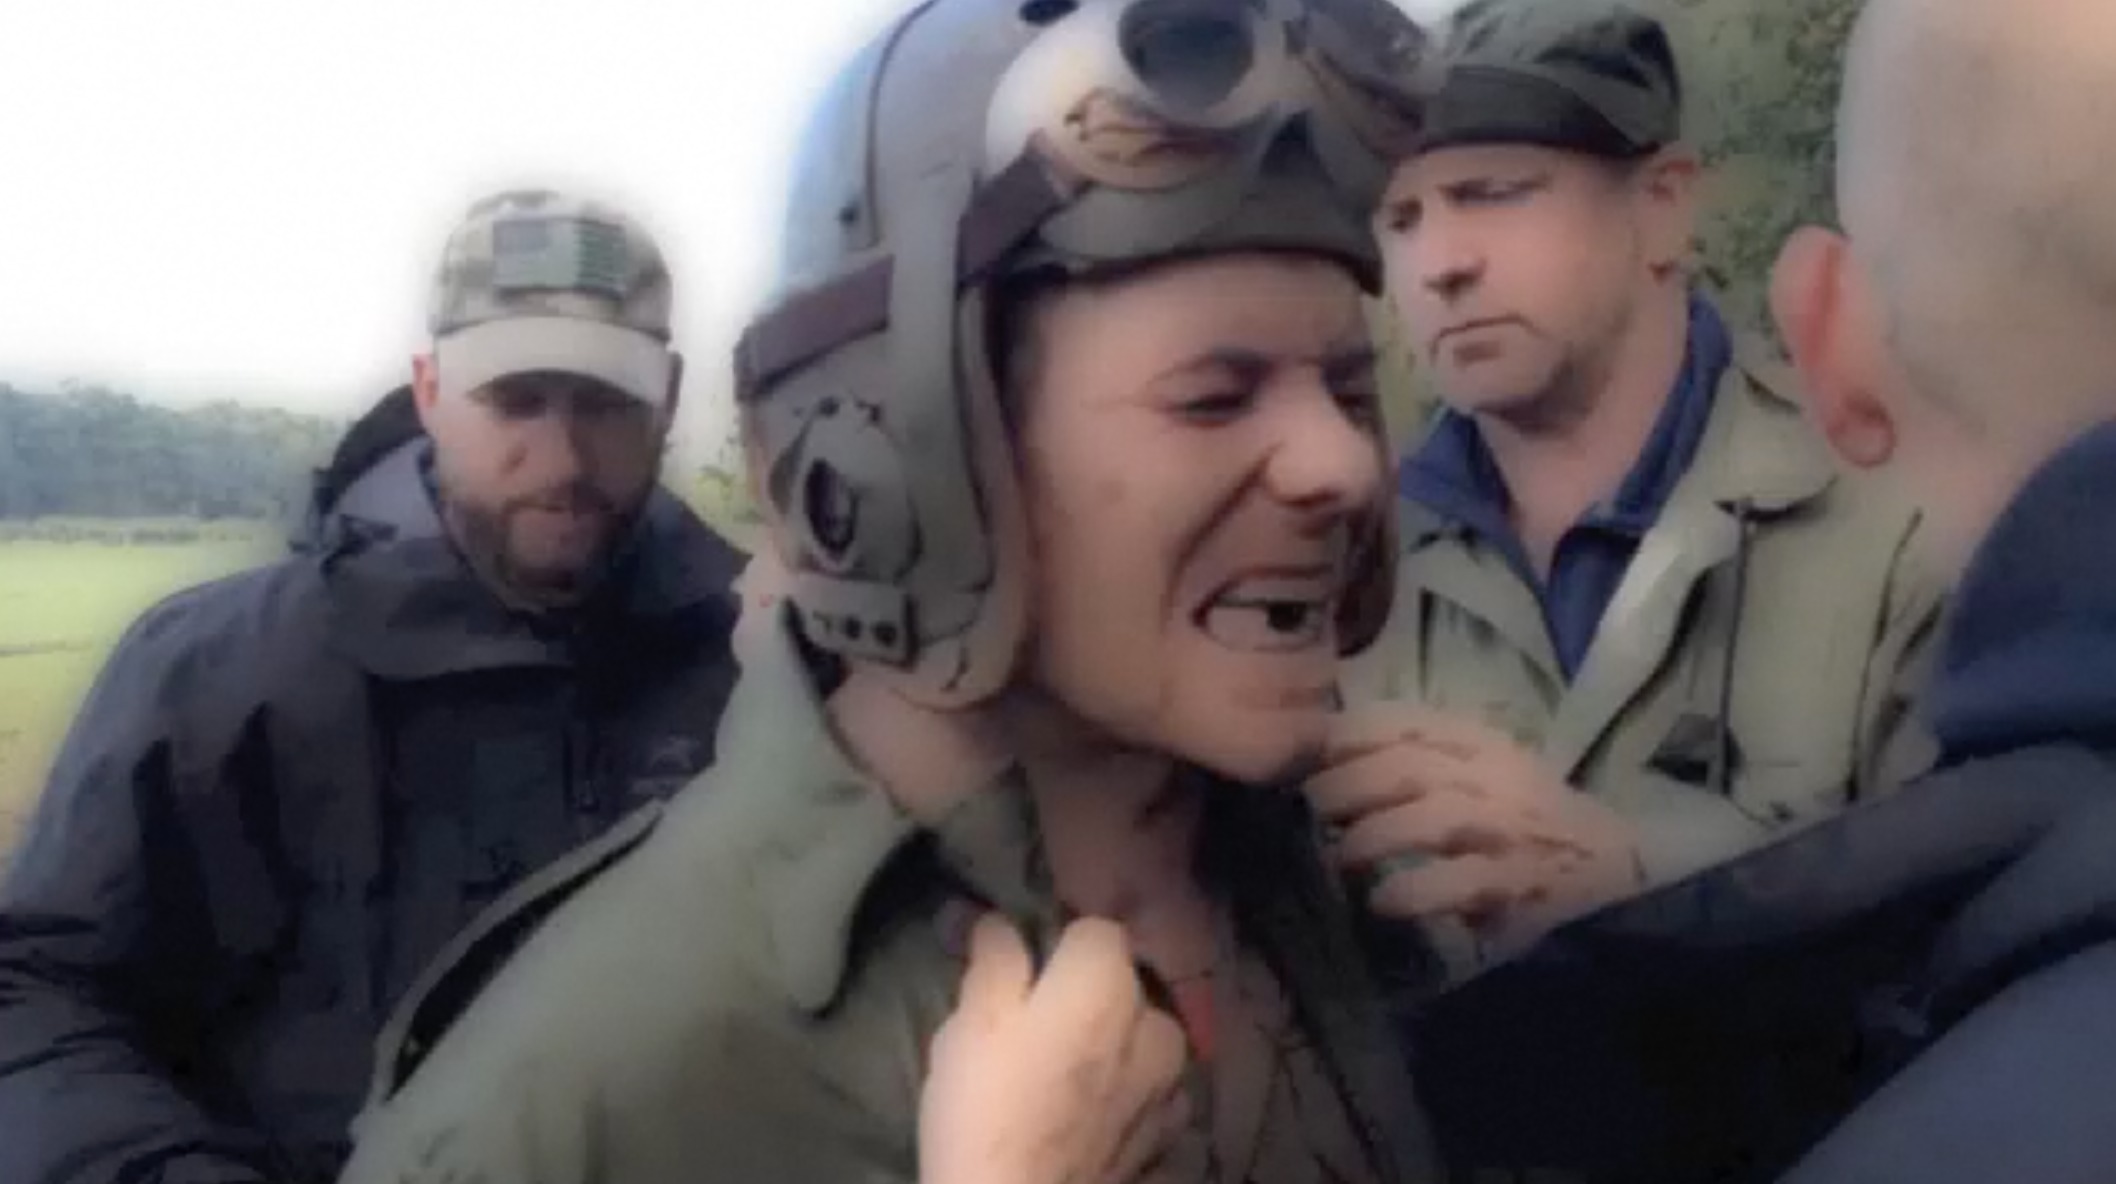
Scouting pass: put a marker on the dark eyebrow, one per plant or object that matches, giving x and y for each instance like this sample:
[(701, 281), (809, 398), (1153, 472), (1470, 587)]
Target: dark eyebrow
[(1253, 364), (1246, 363), (1485, 182)]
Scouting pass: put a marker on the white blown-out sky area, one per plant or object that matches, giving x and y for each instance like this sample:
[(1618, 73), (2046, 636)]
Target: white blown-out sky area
[(245, 198)]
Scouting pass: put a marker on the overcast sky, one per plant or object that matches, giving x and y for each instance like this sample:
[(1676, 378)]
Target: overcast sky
[(244, 197)]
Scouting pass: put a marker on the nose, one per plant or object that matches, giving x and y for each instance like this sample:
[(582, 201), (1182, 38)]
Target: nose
[(1327, 461), (1443, 260), (553, 444)]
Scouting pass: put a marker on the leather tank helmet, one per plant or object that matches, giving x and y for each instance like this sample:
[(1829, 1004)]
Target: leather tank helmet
[(976, 141)]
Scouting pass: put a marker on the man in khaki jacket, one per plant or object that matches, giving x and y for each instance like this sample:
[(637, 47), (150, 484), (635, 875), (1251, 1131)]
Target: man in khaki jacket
[(1624, 550)]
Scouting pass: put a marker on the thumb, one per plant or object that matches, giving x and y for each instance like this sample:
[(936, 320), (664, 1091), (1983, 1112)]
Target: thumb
[(1000, 971)]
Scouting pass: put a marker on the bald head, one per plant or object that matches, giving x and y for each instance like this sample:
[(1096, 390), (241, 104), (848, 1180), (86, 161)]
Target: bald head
[(1975, 181), (1962, 328)]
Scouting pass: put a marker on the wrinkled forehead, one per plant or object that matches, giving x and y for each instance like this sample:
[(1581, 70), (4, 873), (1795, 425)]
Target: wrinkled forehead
[(1290, 300), (556, 387), (1461, 163)]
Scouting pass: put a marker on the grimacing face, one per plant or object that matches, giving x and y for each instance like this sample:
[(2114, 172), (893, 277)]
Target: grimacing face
[(1199, 445), (541, 478), (1514, 266)]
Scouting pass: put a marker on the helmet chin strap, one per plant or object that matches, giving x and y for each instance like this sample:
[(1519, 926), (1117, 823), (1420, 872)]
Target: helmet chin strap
[(924, 292)]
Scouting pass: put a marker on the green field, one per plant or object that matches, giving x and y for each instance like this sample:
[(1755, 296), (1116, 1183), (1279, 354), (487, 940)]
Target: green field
[(62, 606)]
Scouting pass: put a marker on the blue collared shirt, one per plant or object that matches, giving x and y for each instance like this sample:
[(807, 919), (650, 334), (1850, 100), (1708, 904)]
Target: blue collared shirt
[(1454, 476)]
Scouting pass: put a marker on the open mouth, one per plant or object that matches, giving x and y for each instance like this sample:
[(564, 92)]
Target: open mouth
[(1272, 613)]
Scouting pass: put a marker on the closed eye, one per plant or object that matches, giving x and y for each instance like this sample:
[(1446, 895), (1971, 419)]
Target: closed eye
[(1355, 381), (1217, 408), (1494, 191)]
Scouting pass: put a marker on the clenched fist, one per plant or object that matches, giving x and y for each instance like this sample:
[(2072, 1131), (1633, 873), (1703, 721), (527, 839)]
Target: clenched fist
[(1067, 1078), (1457, 821)]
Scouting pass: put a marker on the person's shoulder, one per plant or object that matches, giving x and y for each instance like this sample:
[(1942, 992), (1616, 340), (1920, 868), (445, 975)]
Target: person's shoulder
[(613, 1005), (209, 627), (468, 963), (645, 931)]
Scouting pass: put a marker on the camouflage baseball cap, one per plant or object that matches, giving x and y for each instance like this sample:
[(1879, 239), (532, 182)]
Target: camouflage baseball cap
[(533, 280), (1592, 76)]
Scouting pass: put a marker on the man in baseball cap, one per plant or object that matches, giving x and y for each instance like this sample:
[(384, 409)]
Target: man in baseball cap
[(549, 390), (292, 790), (1629, 569)]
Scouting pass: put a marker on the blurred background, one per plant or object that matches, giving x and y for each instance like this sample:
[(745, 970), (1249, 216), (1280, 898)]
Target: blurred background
[(218, 219)]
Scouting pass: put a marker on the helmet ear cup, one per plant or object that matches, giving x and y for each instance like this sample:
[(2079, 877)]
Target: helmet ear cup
[(850, 512), (843, 490)]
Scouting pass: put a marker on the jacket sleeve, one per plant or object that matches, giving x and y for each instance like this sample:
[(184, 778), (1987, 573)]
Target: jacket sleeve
[(101, 932), (602, 1050), (723, 1103), (2018, 1092), (1733, 1017)]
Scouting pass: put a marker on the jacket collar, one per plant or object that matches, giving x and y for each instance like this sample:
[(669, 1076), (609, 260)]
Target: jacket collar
[(405, 604), (1755, 449), (828, 832), (1760, 448), (1453, 473), (2032, 631), (827, 838)]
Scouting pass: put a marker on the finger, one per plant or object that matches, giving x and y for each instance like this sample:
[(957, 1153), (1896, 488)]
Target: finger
[(1147, 1143), (1090, 987), (1474, 887), (1439, 825), (1000, 970), (1128, 1117), (1463, 823), (1363, 730), (1154, 1092), (1455, 735), (1366, 729), (1390, 777), (1159, 1053)]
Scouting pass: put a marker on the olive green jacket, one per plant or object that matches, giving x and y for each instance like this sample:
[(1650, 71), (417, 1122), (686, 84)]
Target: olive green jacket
[(744, 991), (1755, 671)]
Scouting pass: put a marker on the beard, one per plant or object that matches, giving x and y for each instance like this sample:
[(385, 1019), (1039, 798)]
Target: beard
[(504, 543)]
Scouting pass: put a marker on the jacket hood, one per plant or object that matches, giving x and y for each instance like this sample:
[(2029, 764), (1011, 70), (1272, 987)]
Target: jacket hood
[(372, 485), (2032, 637), (408, 606)]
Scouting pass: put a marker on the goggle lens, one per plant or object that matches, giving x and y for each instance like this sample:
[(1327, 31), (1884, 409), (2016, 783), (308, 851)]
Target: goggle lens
[(1190, 54)]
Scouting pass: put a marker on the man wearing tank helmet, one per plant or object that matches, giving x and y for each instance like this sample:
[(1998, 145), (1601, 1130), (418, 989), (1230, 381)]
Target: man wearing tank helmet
[(1066, 424)]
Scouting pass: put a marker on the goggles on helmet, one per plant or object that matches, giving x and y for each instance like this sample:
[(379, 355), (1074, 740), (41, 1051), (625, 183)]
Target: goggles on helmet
[(1127, 128), (1163, 111)]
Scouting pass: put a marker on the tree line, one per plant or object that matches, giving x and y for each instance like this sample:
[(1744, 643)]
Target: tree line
[(1761, 81), (91, 452)]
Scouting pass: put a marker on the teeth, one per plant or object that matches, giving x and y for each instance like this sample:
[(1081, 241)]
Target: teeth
[(1267, 625), (1276, 613)]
